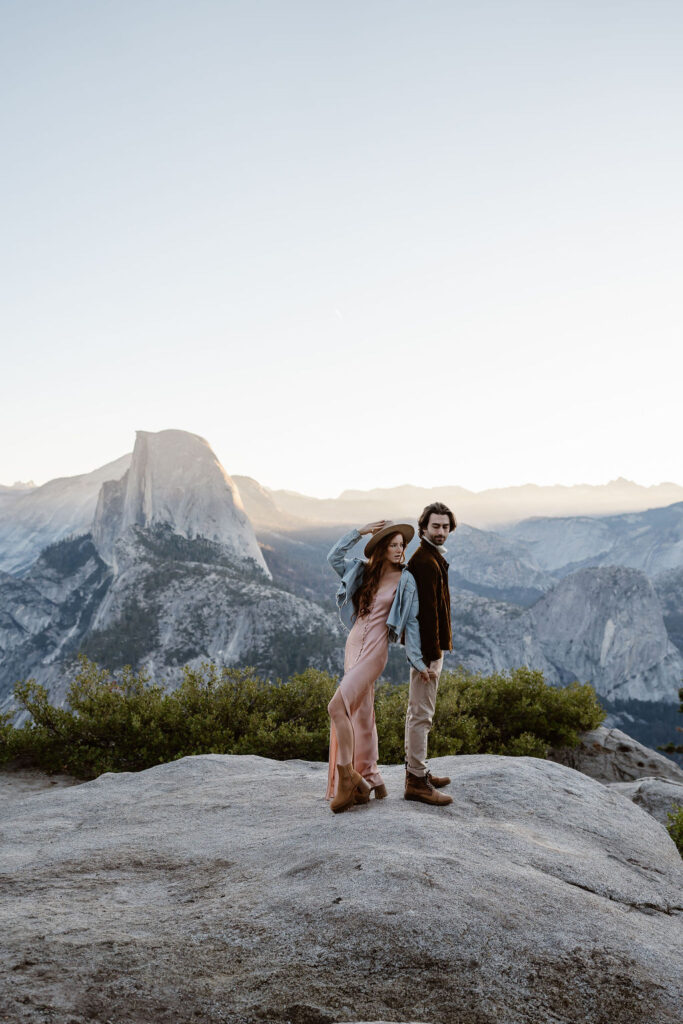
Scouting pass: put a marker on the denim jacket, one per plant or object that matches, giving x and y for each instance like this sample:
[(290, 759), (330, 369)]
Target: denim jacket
[(403, 612)]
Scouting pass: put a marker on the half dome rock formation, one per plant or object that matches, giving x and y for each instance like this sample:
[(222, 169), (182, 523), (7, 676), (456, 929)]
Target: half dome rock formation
[(221, 889), (171, 575), (176, 480)]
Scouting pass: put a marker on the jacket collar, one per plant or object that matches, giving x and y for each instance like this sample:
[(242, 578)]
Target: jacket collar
[(432, 551), (441, 548)]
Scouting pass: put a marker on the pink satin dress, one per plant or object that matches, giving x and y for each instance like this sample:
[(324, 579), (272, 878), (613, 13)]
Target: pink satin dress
[(366, 653)]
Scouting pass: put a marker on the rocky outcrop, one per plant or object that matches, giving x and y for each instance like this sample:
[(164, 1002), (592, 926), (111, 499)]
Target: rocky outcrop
[(222, 889), (175, 480), (658, 797), (609, 755)]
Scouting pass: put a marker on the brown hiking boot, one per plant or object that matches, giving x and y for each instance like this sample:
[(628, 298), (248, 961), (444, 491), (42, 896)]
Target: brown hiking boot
[(419, 788), (348, 781), (438, 781)]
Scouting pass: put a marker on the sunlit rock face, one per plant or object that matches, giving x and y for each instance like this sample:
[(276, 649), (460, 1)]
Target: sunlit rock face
[(175, 479), (167, 602)]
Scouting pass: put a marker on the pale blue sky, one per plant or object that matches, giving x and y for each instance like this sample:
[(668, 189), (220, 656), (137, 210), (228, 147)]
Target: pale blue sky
[(351, 244)]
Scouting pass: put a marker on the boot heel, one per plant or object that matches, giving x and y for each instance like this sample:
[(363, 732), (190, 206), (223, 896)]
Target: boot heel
[(380, 791)]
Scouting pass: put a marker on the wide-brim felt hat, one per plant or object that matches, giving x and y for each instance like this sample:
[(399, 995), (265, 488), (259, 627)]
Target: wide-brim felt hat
[(406, 529)]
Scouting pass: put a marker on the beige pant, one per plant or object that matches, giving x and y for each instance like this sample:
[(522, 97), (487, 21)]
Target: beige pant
[(421, 705)]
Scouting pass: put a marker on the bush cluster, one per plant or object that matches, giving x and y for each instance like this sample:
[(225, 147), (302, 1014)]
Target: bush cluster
[(127, 722), (515, 714)]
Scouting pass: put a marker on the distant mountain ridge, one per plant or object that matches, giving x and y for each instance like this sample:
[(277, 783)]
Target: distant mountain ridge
[(268, 508), (651, 540), (161, 559), (484, 509)]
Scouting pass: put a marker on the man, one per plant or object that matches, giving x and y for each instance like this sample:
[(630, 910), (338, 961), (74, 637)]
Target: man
[(430, 569)]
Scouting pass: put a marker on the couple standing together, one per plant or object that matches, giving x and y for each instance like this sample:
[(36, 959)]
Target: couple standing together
[(382, 600)]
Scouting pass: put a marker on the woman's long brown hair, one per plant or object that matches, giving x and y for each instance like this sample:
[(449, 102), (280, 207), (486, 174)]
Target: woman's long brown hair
[(364, 596)]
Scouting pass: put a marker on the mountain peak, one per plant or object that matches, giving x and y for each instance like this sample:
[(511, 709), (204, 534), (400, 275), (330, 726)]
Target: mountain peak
[(176, 479)]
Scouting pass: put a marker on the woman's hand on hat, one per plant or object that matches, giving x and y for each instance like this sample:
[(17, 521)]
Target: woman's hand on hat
[(373, 527)]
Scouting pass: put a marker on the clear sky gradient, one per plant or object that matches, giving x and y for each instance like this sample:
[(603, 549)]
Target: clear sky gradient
[(351, 244)]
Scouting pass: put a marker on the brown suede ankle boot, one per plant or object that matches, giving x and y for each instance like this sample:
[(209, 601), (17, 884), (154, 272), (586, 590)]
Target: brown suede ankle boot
[(419, 788), (348, 782), (438, 781)]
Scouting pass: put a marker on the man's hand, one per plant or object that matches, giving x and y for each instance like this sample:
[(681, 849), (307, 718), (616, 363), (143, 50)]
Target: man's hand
[(372, 527), (428, 676)]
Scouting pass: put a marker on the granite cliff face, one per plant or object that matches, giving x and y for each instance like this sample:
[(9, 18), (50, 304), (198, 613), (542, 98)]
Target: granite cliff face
[(46, 615), (176, 480), (602, 625)]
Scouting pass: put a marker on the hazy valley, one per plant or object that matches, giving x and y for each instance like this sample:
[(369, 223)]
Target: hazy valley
[(160, 559)]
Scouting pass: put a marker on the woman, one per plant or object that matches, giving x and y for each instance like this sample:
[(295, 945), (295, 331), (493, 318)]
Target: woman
[(377, 599)]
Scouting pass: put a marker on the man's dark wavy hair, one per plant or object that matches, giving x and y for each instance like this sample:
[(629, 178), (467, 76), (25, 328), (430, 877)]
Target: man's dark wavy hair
[(436, 508)]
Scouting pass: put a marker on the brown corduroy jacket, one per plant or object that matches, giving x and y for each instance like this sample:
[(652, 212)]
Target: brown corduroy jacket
[(430, 570)]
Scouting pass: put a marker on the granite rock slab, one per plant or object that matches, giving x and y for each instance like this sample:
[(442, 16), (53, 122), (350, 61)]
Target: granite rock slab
[(221, 889)]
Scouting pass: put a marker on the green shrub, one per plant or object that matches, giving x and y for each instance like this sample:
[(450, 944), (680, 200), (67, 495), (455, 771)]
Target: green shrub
[(675, 827), (515, 713), (127, 722)]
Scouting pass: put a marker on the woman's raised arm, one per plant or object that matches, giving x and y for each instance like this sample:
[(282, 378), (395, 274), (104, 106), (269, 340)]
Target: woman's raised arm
[(336, 554)]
